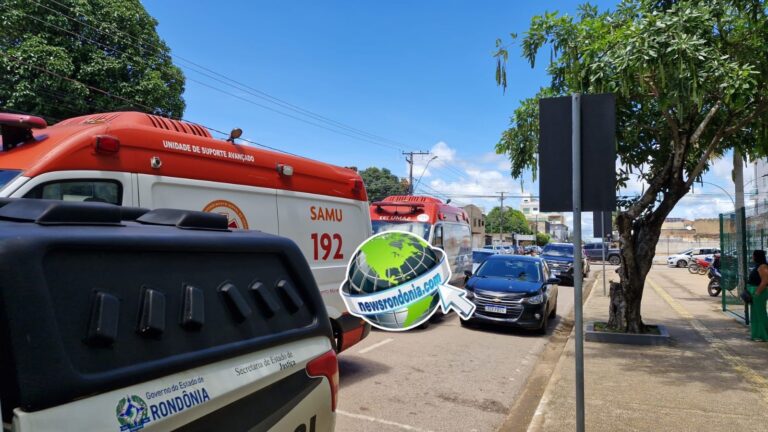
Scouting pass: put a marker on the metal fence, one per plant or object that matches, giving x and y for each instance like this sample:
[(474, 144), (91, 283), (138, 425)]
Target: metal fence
[(754, 236)]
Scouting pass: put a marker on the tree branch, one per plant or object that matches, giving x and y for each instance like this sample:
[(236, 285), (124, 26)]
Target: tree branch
[(704, 123), (721, 133), (705, 157), (759, 109)]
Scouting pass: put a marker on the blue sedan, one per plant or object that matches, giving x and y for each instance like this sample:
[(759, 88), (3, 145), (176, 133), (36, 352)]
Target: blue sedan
[(513, 290)]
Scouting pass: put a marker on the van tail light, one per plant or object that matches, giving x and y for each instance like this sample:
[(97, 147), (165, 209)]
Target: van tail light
[(326, 365), (358, 189), (106, 144)]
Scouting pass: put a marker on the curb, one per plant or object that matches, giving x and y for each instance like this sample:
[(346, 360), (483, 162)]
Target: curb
[(591, 335), (527, 405)]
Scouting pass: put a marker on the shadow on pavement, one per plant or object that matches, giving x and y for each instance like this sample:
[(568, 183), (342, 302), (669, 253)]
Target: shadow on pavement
[(355, 369), (688, 359)]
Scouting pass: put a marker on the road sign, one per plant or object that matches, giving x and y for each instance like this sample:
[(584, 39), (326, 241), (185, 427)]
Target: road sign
[(607, 227), (583, 127), (598, 153)]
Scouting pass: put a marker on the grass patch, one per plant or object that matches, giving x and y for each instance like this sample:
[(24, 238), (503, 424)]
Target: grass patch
[(603, 327)]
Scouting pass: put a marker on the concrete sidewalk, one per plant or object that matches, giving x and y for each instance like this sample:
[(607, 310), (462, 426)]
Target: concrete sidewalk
[(712, 378)]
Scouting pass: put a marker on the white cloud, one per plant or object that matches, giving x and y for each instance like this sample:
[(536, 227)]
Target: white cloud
[(440, 155), (699, 205)]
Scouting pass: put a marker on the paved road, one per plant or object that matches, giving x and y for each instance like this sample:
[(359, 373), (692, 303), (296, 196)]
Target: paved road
[(444, 378)]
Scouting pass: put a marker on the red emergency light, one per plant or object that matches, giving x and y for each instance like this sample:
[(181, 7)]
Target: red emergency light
[(17, 128), (106, 144), (413, 207)]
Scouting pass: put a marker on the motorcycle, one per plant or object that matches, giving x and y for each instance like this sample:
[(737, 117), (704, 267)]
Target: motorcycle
[(700, 266), (713, 288)]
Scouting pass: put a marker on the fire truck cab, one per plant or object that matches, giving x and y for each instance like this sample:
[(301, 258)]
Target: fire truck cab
[(141, 160), (440, 224)]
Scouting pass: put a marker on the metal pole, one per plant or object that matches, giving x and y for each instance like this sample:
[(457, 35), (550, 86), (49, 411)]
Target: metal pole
[(410, 164), (602, 231), (410, 175), (577, 269), (501, 220)]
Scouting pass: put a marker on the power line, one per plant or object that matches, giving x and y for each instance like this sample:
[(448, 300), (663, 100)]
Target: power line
[(150, 109), (364, 135)]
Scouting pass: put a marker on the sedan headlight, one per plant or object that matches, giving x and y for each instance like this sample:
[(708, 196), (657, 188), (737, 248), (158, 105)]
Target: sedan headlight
[(537, 299)]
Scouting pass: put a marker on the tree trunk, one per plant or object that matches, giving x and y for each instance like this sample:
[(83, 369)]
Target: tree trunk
[(638, 247)]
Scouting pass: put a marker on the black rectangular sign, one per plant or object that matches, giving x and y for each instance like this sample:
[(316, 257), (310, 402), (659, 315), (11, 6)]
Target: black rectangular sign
[(607, 227), (598, 153)]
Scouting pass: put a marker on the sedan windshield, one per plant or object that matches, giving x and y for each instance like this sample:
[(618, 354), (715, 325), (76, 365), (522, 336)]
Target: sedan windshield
[(419, 228), (553, 250), (7, 175), (511, 269)]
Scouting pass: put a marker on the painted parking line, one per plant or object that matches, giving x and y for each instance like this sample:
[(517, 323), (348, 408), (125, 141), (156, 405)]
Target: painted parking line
[(374, 346), (758, 382), (381, 421)]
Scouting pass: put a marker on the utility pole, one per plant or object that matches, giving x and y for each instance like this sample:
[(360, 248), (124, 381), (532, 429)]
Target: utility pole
[(738, 180), (409, 159), (501, 220)]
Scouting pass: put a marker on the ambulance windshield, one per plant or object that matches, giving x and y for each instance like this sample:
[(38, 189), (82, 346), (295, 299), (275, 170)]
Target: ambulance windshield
[(418, 228), (7, 175)]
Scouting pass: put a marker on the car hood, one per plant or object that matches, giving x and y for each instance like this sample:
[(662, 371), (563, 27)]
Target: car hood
[(502, 285), (557, 258)]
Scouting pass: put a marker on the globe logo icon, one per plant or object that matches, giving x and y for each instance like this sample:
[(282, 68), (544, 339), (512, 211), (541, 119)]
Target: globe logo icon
[(385, 262)]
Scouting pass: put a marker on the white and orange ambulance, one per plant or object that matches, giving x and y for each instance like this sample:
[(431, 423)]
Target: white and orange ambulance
[(440, 224), (142, 160)]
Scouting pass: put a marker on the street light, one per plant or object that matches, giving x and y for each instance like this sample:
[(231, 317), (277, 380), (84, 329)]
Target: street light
[(423, 171), (722, 189)]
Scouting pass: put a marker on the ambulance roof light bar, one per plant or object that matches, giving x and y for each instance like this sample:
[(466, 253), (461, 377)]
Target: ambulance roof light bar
[(415, 207), (17, 129)]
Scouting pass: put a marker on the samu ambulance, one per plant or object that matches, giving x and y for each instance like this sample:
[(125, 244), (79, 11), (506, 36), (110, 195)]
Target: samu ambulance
[(142, 160), (440, 224)]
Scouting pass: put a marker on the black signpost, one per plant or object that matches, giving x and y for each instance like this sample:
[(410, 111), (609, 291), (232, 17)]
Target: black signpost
[(584, 127), (601, 223)]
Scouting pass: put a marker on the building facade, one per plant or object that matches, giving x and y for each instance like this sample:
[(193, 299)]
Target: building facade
[(559, 232), (477, 223), (530, 208), (758, 190)]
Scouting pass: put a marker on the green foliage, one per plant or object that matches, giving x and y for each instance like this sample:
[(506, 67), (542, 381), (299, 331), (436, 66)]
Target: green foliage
[(689, 76), (543, 238), (691, 82), (381, 183), (513, 221), (107, 44)]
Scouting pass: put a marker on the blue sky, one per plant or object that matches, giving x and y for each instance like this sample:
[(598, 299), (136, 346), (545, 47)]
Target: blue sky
[(420, 74)]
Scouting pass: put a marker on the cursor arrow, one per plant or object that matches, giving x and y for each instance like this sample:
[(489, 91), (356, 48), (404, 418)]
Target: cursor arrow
[(454, 298)]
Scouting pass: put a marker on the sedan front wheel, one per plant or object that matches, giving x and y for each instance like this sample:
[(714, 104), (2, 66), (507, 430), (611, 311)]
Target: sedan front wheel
[(544, 324)]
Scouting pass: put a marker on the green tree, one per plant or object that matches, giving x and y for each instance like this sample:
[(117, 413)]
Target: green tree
[(381, 183), (542, 238), (55, 56), (514, 221), (690, 78)]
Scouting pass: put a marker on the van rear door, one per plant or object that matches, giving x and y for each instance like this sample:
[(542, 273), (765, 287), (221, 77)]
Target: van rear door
[(327, 230)]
